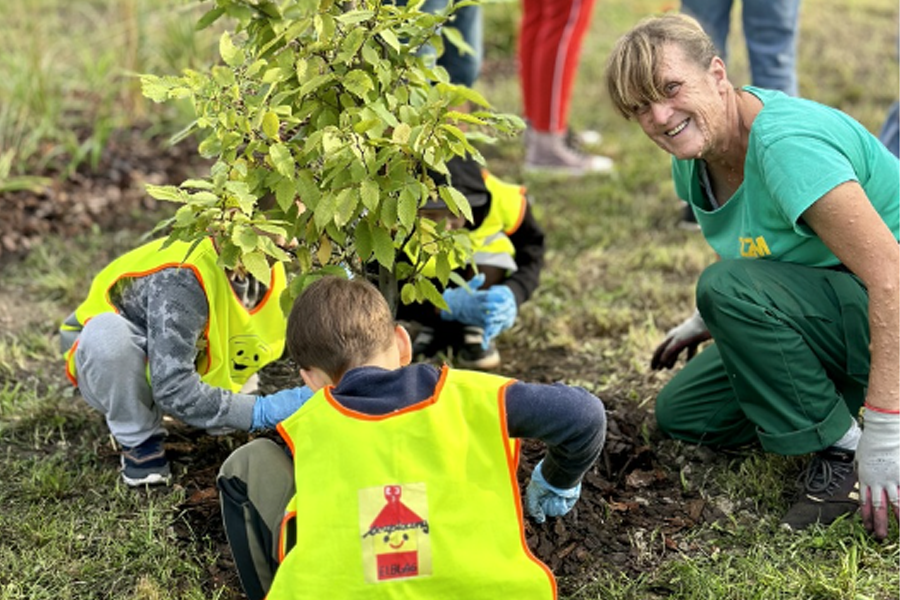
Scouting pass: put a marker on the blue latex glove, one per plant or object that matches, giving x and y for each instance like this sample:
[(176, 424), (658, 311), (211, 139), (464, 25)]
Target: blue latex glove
[(466, 306), (274, 408), (502, 310), (493, 310), (543, 500)]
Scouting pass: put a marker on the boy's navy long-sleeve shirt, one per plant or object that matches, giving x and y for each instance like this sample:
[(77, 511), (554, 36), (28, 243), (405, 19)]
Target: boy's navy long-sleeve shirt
[(569, 420)]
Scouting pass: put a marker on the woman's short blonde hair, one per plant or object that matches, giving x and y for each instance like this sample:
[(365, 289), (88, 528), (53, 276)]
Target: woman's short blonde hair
[(632, 77)]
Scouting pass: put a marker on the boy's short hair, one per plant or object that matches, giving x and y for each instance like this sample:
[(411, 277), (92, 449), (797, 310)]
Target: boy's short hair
[(337, 324)]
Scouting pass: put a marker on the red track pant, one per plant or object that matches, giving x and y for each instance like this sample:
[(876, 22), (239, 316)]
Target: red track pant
[(549, 49)]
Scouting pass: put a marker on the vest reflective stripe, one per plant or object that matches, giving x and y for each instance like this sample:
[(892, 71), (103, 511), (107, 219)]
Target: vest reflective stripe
[(491, 238), (236, 342), (425, 504)]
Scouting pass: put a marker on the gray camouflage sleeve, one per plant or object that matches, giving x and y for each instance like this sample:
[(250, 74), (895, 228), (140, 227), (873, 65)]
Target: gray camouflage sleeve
[(177, 313)]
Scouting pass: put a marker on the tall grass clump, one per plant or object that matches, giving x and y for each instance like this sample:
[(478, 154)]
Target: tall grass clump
[(67, 78)]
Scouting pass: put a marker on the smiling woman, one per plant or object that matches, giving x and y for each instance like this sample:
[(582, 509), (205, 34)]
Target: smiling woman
[(812, 193)]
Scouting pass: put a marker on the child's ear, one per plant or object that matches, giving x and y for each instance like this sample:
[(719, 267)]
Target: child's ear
[(315, 378), (404, 345)]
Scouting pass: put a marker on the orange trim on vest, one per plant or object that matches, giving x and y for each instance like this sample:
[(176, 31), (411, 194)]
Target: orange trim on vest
[(281, 534), (512, 461), (515, 226), (69, 374), (284, 435)]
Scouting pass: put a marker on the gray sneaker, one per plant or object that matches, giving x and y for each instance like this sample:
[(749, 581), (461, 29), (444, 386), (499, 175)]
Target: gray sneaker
[(146, 464), (549, 154), (830, 490)]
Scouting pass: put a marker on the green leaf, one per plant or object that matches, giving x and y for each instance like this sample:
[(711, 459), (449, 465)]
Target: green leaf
[(197, 184), (315, 83), (274, 75), (370, 55), (456, 201), (427, 290), (351, 44), (169, 193), (390, 39), (366, 125), (271, 124), (257, 265), (383, 246), (362, 235), (155, 88), (285, 193), (245, 238), (408, 293), (409, 206), (358, 83), (203, 198), (324, 25), (401, 134), (379, 109), (325, 209), (442, 267), (369, 194), (464, 117), (301, 68), (355, 16), (282, 159), (231, 54), (209, 18), (307, 188), (455, 37), (347, 201)]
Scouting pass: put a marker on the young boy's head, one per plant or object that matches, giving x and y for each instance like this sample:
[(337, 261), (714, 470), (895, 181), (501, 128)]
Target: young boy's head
[(337, 324)]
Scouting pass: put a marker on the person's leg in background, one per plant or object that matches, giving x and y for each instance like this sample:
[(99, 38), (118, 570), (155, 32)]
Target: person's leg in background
[(771, 28), (715, 18), (462, 68), (890, 130), (550, 39)]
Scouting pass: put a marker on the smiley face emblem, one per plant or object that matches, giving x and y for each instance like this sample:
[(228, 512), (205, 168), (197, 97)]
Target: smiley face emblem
[(248, 355)]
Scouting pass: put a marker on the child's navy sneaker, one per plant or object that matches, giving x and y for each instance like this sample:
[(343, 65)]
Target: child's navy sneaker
[(146, 464)]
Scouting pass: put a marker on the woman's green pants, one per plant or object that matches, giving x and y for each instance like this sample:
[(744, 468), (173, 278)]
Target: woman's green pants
[(790, 361)]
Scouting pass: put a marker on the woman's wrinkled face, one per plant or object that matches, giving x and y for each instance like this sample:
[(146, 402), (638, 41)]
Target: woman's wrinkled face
[(689, 120)]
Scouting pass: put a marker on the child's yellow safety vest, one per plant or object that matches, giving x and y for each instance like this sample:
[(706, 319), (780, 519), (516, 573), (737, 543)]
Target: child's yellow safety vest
[(418, 503), (237, 341)]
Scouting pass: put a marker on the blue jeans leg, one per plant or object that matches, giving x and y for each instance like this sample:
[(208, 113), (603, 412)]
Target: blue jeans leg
[(771, 29), (890, 130), (715, 17)]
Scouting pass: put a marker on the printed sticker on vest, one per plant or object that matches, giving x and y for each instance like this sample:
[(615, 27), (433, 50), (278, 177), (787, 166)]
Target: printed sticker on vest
[(393, 523), (248, 355)]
